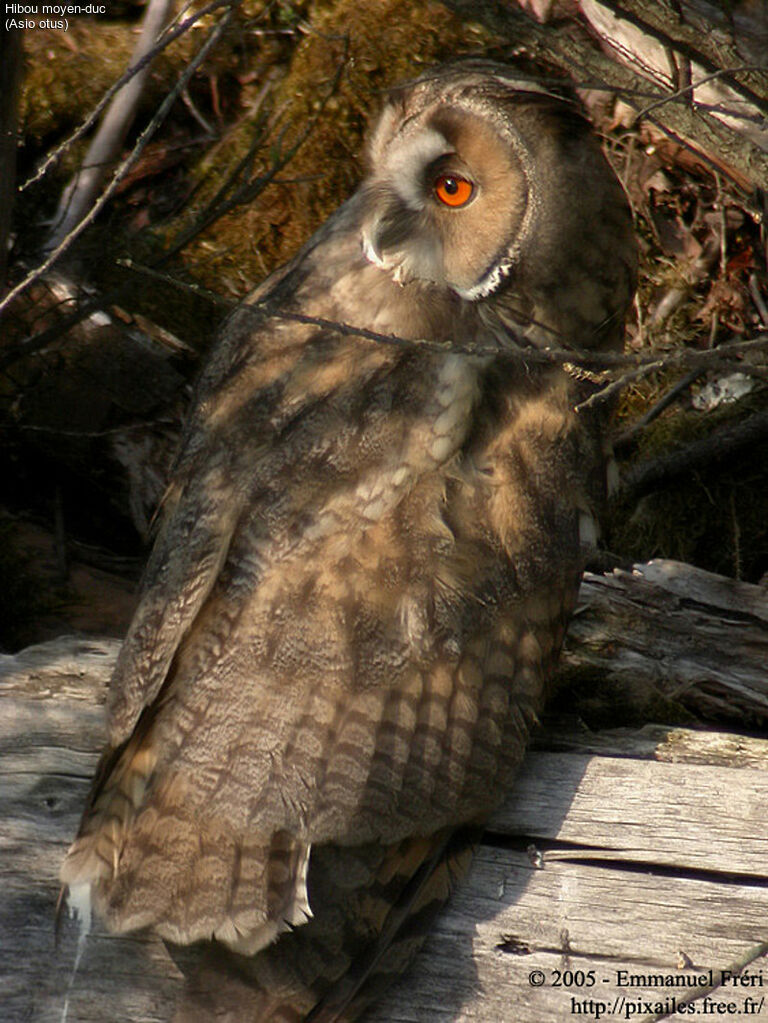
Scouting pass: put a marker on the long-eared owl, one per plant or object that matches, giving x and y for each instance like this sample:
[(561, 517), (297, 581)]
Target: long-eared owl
[(366, 559)]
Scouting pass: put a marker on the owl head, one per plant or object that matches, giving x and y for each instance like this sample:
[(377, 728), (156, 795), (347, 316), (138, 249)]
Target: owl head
[(491, 186)]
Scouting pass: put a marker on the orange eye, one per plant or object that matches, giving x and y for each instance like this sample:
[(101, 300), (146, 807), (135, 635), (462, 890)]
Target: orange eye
[(453, 190)]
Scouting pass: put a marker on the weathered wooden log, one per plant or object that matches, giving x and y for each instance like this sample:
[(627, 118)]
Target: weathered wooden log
[(673, 632)]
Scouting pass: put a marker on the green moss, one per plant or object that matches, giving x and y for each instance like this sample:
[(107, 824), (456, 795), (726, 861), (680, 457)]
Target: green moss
[(67, 72)]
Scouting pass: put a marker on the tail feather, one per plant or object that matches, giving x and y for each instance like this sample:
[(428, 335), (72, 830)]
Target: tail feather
[(116, 795), (365, 933), (144, 857)]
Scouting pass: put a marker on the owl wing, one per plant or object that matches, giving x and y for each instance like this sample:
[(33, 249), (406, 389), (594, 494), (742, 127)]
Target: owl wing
[(366, 564), (205, 500)]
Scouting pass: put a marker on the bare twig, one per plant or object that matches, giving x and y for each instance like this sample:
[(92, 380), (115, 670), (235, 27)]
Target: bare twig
[(81, 191), (112, 431), (135, 69), (735, 155), (650, 20), (698, 271), (687, 90), (192, 108), (626, 438), (736, 545), (222, 203), (10, 77), (12, 353), (757, 298), (607, 393), (687, 358), (213, 37), (723, 224)]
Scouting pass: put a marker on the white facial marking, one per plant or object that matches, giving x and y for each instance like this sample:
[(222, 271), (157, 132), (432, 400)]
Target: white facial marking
[(415, 154)]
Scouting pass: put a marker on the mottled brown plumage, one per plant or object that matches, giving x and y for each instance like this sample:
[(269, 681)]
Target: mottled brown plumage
[(367, 559)]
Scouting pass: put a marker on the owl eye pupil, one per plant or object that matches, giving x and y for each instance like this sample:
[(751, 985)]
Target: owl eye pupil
[(453, 190)]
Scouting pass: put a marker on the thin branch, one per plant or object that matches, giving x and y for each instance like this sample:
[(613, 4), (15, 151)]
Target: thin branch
[(81, 191), (606, 394), (113, 431), (48, 335), (213, 37), (664, 37), (688, 90), (220, 205), (757, 298), (94, 115), (644, 363), (196, 113), (11, 63), (687, 358), (575, 53), (626, 438)]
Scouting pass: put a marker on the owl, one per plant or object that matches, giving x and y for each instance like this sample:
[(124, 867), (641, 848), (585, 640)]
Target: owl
[(366, 560)]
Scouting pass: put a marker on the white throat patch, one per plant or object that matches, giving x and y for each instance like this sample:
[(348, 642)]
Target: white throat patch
[(491, 282)]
